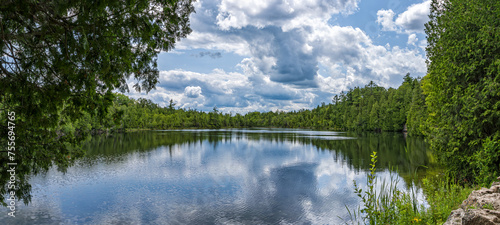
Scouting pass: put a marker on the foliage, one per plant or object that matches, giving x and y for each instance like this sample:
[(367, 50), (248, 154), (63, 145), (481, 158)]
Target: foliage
[(387, 206), (369, 198), (417, 114), (393, 206), (485, 163), (373, 107), (462, 87), (443, 195), (61, 60)]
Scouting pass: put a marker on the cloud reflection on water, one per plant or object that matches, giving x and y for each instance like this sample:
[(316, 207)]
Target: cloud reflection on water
[(240, 179)]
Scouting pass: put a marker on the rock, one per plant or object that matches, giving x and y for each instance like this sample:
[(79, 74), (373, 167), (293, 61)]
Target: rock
[(481, 217), (482, 207), (455, 217)]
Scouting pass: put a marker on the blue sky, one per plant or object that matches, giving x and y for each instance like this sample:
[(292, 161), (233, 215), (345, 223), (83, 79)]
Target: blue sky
[(264, 55)]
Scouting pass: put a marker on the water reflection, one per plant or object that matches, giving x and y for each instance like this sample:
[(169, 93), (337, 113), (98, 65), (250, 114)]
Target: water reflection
[(215, 177)]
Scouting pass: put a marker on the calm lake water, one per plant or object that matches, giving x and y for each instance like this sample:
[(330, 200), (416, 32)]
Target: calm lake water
[(236, 176)]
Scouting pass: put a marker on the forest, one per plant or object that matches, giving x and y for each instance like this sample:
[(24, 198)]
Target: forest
[(369, 108)]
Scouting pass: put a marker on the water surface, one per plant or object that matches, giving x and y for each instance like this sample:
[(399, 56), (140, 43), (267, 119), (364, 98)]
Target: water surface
[(236, 176)]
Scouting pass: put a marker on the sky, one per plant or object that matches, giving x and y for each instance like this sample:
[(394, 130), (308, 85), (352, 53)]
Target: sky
[(267, 55)]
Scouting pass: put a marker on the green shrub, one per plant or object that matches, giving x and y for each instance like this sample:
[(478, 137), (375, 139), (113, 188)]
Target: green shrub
[(443, 196), (486, 162)]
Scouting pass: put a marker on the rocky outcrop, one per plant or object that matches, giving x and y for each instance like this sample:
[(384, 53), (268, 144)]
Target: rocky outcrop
[(482, 207)]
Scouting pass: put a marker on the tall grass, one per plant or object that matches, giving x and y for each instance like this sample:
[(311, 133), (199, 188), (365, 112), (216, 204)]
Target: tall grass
[(389, 205)]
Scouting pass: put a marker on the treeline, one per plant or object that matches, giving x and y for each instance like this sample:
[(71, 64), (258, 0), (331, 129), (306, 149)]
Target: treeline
[(369, 108)]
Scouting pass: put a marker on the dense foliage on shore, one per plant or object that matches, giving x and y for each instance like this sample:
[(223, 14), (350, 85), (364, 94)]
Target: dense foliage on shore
[(463, 88)]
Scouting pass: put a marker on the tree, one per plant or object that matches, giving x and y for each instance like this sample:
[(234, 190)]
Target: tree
[(171, 106), (462, 87), (62, 58), (417, 113)]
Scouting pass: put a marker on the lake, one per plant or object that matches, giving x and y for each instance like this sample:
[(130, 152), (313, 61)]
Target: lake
[(232, 176)]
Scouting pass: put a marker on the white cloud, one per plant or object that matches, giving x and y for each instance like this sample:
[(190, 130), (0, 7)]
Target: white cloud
[(389, 65), (412, 39), (386, 19), (214, 41), (285, 43), (414, 18), (261, 13), (192, 91), (353, 60), (410, 21)]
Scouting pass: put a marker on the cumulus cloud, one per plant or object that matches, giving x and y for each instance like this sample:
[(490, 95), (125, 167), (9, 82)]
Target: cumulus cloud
[(414, 18), (230, 92), (412, 39), (411, 20), (261, 13), (192, 91), (386, 19), (293, 64), (283, 44)]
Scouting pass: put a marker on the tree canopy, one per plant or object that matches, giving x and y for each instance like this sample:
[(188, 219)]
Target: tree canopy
[(463, 87), (63, 58)]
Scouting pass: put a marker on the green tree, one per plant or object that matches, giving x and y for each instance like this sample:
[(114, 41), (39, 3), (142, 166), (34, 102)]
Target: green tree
[(462, 86), (417, 113), (62, 58)]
